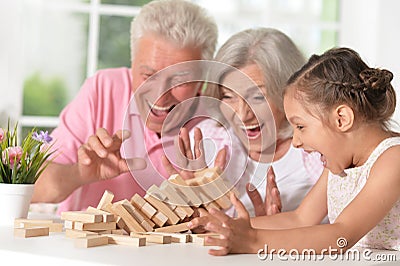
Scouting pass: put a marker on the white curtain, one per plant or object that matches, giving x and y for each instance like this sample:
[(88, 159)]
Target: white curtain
[(371, 27)]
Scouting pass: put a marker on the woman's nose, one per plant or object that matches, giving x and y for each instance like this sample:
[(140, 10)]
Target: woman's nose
[(243, 110)]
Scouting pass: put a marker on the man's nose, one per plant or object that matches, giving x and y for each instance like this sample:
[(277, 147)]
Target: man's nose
[(163, 93)]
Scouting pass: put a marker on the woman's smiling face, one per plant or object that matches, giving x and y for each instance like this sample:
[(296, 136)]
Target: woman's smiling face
[(247, 108)]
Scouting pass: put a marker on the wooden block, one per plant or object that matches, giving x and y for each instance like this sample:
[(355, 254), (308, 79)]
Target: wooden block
[(223, 186), (138, 215), (175, 237), (180, 185), (19, 221), (192, 182), (31, 232), (211, 205), (132, 210), (82, 216), (210, 173), (176, 179), (105, 200), (71, 233), (69, 224), (162, 207), (131, 223), (153, 238), (207, 202), (120, 223), (171, 206), (139, 203), (118, 232), (200, 239), (94, 226), (108, 208), (126, 240), (175, 198), (146, 226), (148, 210), (180, 212), (160, 219), (103, 232), (172, 195), (91, 241), (215, 192), (107, 216), (156, 193), (173, 228), (205, 234), (53, 227)]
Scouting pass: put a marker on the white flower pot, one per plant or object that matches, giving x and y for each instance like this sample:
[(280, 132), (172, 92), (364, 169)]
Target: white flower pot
[(14, 202)]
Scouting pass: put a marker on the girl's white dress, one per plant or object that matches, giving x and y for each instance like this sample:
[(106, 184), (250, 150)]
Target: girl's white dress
[(342, 190)]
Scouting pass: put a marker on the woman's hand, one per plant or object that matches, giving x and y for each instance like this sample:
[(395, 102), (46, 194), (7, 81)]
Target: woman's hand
[(189, 160), (272, 203)]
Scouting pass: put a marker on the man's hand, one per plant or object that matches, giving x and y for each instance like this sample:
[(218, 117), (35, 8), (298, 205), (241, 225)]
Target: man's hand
[(99, 158), (189, 159), (272, 203)]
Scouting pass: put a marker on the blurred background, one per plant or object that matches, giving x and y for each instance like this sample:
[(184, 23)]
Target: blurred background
[(48, 47)]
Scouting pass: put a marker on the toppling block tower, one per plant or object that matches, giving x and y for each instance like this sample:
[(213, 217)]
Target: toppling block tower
[(163, 211)]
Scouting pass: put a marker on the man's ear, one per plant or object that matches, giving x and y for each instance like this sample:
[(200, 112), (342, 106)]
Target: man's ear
[(344, 118)]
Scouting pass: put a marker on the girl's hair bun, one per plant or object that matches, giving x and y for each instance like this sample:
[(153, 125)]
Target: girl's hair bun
[(376, 79)]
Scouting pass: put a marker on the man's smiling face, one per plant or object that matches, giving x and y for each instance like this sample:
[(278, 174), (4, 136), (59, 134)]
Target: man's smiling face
[(159, 94)]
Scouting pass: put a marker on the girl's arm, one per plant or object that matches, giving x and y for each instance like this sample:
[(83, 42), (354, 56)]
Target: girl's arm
[(311, 211), (368, 208)]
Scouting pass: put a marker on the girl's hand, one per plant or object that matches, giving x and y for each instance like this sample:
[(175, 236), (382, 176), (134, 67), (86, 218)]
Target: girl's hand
[(236, 235)]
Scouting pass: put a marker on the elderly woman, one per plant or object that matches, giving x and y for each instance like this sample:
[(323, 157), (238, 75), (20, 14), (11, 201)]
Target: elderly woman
[(255, 114), (251, 70)]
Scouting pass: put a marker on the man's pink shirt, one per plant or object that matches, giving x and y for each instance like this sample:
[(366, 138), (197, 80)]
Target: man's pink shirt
[(103, 103)]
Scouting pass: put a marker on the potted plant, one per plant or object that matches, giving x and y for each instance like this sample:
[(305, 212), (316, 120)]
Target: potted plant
[(20, 166)]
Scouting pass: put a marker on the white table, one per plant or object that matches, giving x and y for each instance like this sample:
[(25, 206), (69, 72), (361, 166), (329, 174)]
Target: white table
[(58, 250)]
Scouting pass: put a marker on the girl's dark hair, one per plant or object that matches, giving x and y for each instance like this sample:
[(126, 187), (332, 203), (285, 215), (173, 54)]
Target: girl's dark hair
[(340, 76)]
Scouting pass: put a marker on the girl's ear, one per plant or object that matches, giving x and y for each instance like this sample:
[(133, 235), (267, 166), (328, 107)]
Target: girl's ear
[(344, 118)]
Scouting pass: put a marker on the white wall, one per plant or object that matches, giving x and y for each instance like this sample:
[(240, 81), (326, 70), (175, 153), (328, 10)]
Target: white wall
[(11, 58), (372, 28)]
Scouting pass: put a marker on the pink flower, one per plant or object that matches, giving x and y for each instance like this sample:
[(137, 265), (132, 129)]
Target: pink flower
[(13, 154), (1, 135)]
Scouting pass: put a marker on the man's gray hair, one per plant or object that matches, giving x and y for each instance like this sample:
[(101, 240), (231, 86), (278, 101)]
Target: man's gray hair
[(179, 21)]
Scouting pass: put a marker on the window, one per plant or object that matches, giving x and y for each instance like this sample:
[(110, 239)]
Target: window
[(64, 41)]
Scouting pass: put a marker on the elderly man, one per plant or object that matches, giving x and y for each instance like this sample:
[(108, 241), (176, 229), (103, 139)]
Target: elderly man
[(89, 135)]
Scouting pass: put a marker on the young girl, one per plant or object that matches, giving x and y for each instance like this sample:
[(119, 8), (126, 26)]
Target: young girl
[(341, 108)]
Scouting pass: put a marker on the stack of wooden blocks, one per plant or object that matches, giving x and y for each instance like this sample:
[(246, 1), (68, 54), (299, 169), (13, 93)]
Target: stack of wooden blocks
[(158, 217)]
